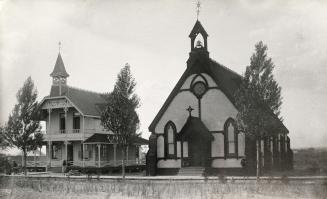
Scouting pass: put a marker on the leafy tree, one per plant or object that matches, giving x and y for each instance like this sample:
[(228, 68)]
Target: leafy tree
[(22, 129), (258, 98), (3, 143), (119, 115)]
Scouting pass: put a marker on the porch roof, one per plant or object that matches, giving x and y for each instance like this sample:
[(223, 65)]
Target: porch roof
[(194, 126), (103, 138)]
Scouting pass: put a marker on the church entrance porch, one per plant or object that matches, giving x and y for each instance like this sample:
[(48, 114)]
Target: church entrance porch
[(199, 151), (197, 138)]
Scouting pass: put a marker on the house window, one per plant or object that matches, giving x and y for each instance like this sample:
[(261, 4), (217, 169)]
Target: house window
[(54, 151), (76, 122), (170, 140), (230, 138), (62, 122)]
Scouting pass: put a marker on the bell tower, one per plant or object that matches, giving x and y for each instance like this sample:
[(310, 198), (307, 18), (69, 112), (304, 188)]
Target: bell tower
[(59, 74), (197, 32)]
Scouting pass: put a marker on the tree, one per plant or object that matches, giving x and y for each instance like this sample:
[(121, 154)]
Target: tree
[(258, 99), (119, 115), (3, 143), (22, 129)]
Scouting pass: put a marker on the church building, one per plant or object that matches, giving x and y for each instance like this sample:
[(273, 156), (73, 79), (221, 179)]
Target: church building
[(74, 135), (195, 129)]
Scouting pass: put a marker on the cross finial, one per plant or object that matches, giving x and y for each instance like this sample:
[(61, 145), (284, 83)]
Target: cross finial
[(190, 109), (198, 6), (59, 44)]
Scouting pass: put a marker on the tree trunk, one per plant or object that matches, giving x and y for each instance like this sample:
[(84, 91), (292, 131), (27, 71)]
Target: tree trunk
[(25, 157), (35, 160), (258, 158), (123, 162)]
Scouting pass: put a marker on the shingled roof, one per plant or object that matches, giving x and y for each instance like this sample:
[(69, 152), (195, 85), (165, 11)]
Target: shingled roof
[(88, 102), (59, 69)]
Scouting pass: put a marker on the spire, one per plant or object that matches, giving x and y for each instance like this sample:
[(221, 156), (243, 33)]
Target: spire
[(59, 69), (59, 74)]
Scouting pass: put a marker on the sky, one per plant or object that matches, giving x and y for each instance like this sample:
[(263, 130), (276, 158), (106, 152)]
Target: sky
[(99, 37)]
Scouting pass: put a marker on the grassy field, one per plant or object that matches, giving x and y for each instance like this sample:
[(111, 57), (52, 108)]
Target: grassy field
[(11, 187)]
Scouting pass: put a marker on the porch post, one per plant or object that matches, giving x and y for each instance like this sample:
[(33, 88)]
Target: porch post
[(99, 155), (115, 153), (50, 152), (48, 132), (66, 143), (83, 154)]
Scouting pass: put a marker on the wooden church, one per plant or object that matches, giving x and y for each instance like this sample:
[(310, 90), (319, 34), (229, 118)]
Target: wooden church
[(195, 131)]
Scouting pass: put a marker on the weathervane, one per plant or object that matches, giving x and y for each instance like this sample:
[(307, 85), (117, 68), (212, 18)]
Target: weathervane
[(198, 6), (59, 44)]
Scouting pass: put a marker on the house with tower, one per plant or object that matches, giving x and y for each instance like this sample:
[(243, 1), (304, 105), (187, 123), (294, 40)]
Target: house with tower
[(195, 129), (74, 135)]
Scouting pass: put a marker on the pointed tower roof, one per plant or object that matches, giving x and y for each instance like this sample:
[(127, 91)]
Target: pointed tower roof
[(59, 69), (198, 28)]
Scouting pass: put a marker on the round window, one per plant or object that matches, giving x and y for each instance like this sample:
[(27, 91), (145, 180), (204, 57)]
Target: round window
[(199, 89)]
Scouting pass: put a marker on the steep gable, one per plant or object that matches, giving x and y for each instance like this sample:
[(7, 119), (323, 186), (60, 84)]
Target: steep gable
[(88, 102), (227, 80)]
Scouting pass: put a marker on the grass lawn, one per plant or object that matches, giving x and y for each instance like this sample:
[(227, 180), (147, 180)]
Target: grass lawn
[(12, 187)]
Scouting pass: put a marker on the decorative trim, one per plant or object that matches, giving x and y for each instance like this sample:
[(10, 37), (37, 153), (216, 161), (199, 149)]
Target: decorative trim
[(190, 90)]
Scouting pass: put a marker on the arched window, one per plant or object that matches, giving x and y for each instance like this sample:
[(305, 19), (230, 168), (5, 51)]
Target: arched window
[(231, 139), (170, 140)]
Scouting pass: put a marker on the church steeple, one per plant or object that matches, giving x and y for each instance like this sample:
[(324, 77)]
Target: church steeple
[(59, 74)]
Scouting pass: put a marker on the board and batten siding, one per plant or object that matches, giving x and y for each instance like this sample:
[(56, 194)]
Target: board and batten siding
[(215, 110)]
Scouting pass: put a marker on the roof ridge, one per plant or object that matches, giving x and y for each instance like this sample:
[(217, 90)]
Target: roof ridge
[(230, 70), (85, 90)]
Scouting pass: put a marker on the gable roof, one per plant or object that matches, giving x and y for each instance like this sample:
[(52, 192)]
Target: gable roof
[(194, 126), (227, 80), (59, 69), (198, 28), (88, 102)]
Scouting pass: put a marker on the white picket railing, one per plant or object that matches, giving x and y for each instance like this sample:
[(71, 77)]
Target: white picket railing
[(110, 163)]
